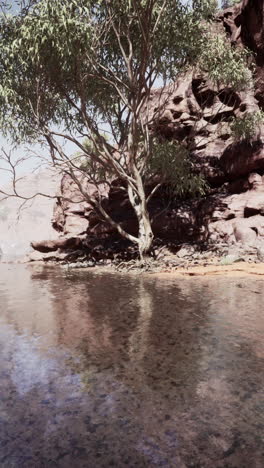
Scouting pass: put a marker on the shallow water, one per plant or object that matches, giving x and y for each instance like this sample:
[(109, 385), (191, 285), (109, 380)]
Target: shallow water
[(101, 370)]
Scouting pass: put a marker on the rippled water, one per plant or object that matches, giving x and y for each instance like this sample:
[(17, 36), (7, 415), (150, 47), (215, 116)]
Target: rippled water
[(101, 370)]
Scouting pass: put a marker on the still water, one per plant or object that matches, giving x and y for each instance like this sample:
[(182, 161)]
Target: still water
[(108, 370)]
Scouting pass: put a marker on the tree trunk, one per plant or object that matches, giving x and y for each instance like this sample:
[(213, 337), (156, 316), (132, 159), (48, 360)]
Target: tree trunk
[(145, 234)]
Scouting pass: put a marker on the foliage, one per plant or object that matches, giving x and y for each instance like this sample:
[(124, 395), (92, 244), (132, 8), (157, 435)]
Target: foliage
[(61, 51), (205, 8), (225, 63), (171, 162), (245, 128)]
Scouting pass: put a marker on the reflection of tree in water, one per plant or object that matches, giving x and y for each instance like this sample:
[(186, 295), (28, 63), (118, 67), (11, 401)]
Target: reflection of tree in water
[(153, 352), (95, 315), (148, 333), (169, 345), (131, 324)]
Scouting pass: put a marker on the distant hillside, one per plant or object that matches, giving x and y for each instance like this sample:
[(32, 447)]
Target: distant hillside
[(18, 227)]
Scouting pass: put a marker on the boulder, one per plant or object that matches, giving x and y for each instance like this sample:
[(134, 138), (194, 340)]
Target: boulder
[(58, 244)]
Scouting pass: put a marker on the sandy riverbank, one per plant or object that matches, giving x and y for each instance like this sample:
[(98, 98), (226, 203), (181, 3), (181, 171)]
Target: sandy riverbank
[(237, 269), (160, 269)]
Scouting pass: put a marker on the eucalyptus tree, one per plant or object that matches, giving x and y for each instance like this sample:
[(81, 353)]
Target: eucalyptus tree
[(81, 70)]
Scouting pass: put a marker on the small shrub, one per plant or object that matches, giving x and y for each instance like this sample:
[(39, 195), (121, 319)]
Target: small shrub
[(224, 63), (171, 161), (245, 128)]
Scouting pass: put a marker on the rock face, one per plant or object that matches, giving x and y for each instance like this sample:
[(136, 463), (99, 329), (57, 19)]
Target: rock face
[(244, 25), (238, 217), (195, 112)]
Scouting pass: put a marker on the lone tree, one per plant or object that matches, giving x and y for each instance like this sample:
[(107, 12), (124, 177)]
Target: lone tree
[(81, 70)]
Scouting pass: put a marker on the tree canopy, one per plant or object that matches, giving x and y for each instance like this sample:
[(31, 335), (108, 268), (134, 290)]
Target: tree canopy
[(63, 55)]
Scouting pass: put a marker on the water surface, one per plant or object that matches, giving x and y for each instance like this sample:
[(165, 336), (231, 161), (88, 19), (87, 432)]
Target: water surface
[(101, 370)]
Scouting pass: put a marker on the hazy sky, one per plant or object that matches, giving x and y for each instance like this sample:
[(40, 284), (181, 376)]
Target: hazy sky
[(30, 164)]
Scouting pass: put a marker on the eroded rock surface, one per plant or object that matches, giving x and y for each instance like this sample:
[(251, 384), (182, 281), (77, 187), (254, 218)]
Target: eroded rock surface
[(194, 112), (239, 217)]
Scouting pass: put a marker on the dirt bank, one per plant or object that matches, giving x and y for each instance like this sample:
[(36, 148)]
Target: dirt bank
[(238, 269)]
